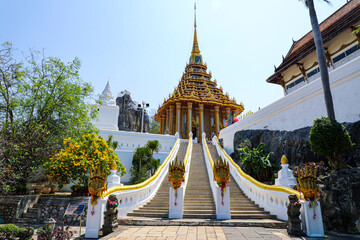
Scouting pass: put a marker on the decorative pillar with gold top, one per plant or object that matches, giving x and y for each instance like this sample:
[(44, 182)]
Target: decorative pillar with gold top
[(217, 128), (178, 114), (171, 120), (201, 113), (189, 104)]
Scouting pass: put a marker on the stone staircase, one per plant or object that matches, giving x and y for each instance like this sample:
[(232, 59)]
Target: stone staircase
[(241, 206), (198, 201), (158, 207)]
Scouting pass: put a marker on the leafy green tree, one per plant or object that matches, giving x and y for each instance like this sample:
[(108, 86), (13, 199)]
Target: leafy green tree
[(324, 73), (74, 162), (42, 102), (155, 163), (255, 161), (141, 159), (331, 139), (154, 127), (154, 146), (111, 143)]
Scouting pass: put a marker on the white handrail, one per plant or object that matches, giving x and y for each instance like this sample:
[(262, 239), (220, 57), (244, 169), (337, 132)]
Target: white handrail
[(275, 200), (130, 197), (176, 210), (222, 202)]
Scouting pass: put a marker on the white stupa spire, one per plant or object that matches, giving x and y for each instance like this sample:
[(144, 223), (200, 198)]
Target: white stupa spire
[(106, 97)]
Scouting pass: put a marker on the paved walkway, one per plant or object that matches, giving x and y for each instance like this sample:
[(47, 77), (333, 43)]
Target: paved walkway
[(196, 233)]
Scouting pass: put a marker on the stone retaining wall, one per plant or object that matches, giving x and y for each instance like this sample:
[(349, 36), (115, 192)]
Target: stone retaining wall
[(9, 208), (55, 206)]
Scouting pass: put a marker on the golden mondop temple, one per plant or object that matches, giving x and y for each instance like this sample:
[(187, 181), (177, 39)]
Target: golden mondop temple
[(197, 104)]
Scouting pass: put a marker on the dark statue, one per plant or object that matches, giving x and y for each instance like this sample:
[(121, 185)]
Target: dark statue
[(293, 212), (130, 116), (110, 215)]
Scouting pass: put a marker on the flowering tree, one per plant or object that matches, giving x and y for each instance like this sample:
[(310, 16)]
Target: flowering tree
[(75, 161)]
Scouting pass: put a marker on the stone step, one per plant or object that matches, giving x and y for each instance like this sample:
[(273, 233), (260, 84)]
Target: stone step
[(201, 216), (151, 215), (27, 220), (144, 221), (252, 216)]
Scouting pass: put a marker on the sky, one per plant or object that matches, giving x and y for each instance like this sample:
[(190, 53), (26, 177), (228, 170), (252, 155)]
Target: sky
[(143, 45)]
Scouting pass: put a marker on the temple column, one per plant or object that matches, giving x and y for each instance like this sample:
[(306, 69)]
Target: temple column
[(178, 119), (162, 124), (171, 122), (227, 113), (189, 105), (167, 121), (223, 118), (201, 116), (217, 128)]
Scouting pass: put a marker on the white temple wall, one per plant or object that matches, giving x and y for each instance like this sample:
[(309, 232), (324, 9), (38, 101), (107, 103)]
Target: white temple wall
[(300, 108), (129, 141), (107, 117)]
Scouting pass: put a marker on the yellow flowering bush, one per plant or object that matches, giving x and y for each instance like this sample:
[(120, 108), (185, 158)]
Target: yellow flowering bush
[(75, 161)]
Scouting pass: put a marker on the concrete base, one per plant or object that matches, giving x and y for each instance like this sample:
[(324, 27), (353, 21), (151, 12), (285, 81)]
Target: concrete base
[(312, 227), (176, 211), (95, 218), (223, 204)]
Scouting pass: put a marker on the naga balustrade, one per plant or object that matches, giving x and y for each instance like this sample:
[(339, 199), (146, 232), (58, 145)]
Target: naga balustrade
[(130, 197), (176, 201), (272, 198), (222, 199), (275, 198)]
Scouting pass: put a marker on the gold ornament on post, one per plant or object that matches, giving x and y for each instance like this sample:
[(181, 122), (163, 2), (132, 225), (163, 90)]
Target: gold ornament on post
[(307, 177), (176, 173), (221, 175), (97, 184)]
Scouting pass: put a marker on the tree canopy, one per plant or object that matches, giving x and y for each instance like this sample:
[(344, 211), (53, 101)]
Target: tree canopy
[(42, 101)]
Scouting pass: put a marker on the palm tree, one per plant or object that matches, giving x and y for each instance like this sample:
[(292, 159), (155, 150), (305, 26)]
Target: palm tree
[(112, 144), (321, 58), (154, 147), (141, 158)]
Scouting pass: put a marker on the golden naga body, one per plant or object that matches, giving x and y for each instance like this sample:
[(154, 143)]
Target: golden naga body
[(221, 172), (97, 184), (176, 173), (307, 177)]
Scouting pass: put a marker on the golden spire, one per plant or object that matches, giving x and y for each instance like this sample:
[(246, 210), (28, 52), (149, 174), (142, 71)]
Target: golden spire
[(195, 43)]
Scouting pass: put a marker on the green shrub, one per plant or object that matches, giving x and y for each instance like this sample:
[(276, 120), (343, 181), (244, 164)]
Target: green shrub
[(331, 139), (9, 231), (255, 161), (25, 233)]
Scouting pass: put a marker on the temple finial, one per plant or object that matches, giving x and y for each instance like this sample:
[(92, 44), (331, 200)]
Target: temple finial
[(195, 14), (195, 43)]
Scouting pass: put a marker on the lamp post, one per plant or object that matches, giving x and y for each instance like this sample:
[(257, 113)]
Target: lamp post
[(144, 105), (49, 225)]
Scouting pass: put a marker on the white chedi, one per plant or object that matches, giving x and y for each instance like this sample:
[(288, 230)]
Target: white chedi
[(285, 175), (106, 98)]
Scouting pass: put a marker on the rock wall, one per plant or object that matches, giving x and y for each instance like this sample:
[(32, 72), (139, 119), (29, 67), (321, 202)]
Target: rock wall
[(339, 192), (129, 115), (55, 206), (9, 208), (340, 200), (296, 145)]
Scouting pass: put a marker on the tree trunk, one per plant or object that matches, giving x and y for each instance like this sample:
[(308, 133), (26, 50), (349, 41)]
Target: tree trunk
[(322, 60)]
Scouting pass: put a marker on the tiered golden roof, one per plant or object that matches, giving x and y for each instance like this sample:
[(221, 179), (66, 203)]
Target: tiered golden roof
[(196, 85), (197, 96)]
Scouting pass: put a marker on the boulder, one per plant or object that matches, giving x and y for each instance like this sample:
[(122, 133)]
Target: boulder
[(296, 144), (130, 115), (340, 200)]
